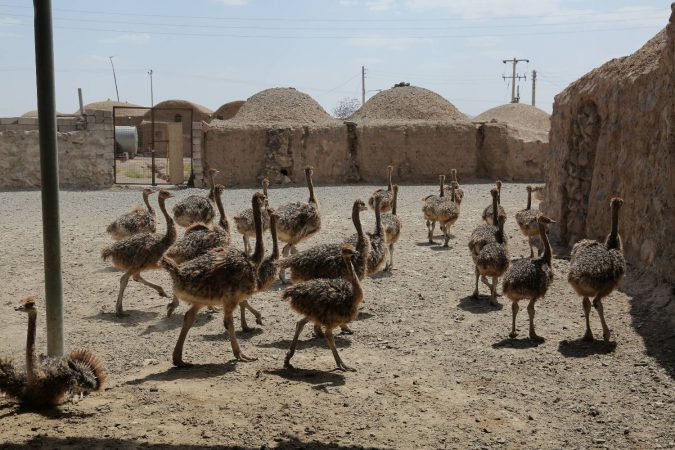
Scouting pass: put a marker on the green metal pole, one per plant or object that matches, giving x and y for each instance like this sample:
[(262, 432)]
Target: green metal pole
[(49, 169)]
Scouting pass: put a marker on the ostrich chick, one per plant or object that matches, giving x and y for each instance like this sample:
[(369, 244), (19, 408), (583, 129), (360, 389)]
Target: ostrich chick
[(386, 195), (244, 220), (327, 302), (137, 221), (141, 252), (51, 381), (597, 268), (392, 229), (529, 278), (487, 212), (196, 208), (527, 220)]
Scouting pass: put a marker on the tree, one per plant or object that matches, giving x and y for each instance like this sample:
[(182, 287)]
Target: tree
[(346, 107)]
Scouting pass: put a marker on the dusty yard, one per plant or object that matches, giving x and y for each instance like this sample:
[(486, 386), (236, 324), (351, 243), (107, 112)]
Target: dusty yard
[(436, 368)]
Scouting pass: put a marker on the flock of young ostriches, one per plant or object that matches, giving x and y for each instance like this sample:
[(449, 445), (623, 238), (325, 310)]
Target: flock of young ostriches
[(207, 271)]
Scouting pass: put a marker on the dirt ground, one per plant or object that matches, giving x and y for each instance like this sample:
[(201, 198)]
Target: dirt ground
[(436, 368)]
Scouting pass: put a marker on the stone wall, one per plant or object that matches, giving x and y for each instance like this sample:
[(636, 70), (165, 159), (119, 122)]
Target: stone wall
[(246, 154), (419, 152), (85, 159), (510, 153), (613, 133)]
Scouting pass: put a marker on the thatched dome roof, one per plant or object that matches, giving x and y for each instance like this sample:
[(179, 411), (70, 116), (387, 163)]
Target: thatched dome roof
[(34, 113), (282, 105), (408, 103), (199, 112), (517, 115)]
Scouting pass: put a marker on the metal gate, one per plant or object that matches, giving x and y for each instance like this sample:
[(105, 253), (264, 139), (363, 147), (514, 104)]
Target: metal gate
[(152, 145)]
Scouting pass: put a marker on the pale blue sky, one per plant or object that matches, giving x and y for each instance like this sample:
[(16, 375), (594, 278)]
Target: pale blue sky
[(215, 51)]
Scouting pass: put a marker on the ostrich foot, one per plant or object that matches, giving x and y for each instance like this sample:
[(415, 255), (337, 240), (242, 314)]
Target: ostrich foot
[(536, 338), (513, 334), (342, 367), (243, 358), (588, 336), (475, 294), (182, 364)]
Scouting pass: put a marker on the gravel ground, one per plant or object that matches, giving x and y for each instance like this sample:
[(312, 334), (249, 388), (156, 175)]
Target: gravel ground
[(436, 369)]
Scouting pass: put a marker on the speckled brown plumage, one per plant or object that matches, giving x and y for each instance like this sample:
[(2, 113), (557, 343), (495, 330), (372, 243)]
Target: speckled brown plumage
[(244, 220), (596, 269), (378, 248), (224, 276), (527, 220), (298, 221), (326, 302), (141, 252), (195, 208), (529, 279), (483, 245), (487, 212), (51, 381), (199, 238), (325, 260), (392, 229), (140, 220), (386, 196), (442, 209)]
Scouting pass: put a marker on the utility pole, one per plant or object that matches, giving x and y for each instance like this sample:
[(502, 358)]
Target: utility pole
[(534, 86), (514, 77), (363, 85), (49, 173), (152, 99), (115, 78)]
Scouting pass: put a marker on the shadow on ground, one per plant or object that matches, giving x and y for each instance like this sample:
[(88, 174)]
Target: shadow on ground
[(319, 379), (131, 317), (518, 344), (197, 371), (481, 305), (580, 348), (95, 443), (652, 311)]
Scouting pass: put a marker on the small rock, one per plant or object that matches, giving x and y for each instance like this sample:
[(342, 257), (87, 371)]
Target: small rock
[(150, 362)]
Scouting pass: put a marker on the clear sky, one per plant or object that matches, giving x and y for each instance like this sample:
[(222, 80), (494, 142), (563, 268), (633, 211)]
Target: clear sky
[(215, 51)]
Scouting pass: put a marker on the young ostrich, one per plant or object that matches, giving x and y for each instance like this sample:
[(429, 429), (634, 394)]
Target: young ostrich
[(487, 212), (224, 276), (378, 249), (53, 380), (244, 220), (325, 260), (141, 252), (298, 221), (429, 203), (137, 221), (392, 229), (444, 210), (489, 250), (459, 192), (329, 303), (527, 220), (529, 278), (596, 269), (199, 239), (196, 208), (386, 195)]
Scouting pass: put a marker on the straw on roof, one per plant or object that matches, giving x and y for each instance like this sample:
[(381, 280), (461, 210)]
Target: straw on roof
[(518, 115)]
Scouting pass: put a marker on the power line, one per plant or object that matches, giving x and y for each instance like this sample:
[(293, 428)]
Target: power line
[(310, 19)]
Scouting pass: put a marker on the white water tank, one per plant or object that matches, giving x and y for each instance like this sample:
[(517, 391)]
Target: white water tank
[(126, 140)]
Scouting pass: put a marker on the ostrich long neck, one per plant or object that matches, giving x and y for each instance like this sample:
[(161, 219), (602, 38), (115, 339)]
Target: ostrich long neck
[(259, 252), (389, 186), (613, 238), (442, 180), (495, 213), (170, 235), (356, 220), (499, 194), (30, 346), (147, 203), (310, 186), (452, 191), (393, 203), (529, 199), (378, 218), (264, 186), (354, 279), (275, 241), (547, 245), (223, 218), (212, 190)]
